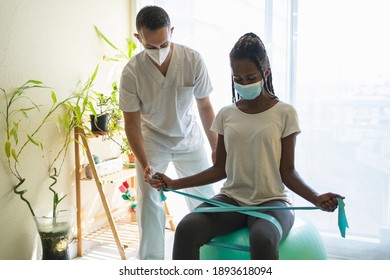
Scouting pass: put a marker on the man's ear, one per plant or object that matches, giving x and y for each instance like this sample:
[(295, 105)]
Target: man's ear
[(136, 35)]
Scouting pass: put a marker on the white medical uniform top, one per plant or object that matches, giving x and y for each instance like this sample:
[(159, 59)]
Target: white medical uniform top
[(168, 116), (253, 146)]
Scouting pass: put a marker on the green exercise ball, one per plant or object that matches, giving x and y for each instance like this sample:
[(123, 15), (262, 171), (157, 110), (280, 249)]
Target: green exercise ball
[(302, 243)]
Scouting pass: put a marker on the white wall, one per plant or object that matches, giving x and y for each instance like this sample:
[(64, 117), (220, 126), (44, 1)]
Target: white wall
[(52, 41)]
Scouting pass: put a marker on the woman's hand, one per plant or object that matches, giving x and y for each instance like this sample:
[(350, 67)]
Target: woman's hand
[(327, 201), (163, 181)]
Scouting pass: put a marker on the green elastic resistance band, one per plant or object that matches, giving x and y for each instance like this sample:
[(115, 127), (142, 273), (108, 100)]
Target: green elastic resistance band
[(237, 247), (221, 204), (343, 223), (251, 210)]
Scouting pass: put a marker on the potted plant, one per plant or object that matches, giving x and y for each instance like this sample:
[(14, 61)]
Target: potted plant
[(53, 223), (126, 149), (57, 222), (109, 103), (105, 114), (106, 118)]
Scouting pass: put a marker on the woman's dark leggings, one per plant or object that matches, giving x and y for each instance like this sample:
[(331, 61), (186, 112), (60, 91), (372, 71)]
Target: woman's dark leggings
[(197, 229)]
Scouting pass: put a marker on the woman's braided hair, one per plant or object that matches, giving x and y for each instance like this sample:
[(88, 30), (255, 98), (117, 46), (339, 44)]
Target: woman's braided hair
[(250, 46)]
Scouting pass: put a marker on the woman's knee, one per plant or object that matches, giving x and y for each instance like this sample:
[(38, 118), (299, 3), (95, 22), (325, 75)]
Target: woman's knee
[(189, 226), (264, 242)]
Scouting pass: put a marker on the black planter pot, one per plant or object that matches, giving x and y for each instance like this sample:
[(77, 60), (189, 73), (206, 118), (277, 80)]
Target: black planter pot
[(99, 124)]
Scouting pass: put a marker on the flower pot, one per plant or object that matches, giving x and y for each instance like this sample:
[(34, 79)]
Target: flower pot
[(131, 157), (54, 234), (99, 123)]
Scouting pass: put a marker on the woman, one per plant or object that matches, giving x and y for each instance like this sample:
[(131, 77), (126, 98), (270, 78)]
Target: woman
[(255, 153)]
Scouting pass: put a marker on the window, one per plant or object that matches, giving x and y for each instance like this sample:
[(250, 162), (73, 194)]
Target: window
[(328, 59), (343, 100)]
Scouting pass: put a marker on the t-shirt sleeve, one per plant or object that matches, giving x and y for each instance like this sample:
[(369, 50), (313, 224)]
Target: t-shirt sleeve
[(217, 125), (203, 86), (291, 122), (128, 98)]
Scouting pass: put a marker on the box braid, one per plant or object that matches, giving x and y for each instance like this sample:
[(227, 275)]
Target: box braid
[(250, 46)]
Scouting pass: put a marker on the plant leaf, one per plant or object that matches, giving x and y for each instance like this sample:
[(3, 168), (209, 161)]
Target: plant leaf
[(28, 109), (14, 155), (61, 199), (35, 142), (14, 132), (53, 97), (110, 59), (91, 108), (101, 35), (36, 82), (8, 149), (94, 73), (131, 46)]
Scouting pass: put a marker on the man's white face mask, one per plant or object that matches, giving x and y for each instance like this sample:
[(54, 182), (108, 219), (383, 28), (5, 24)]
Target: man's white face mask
[(158, 55)]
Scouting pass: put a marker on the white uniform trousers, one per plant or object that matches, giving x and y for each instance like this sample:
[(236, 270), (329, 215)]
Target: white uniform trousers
[(151, 216)]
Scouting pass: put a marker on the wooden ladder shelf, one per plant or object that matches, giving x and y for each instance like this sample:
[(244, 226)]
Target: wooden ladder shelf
[(81, 139), (80, 134)]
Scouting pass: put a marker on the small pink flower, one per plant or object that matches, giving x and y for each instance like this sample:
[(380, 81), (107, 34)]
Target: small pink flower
[(122, 189)]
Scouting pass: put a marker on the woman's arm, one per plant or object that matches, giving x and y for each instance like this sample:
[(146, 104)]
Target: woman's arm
[(294, 181), (210, 175)]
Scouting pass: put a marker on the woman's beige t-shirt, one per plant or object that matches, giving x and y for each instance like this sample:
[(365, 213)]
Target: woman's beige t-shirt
[(253, 147)]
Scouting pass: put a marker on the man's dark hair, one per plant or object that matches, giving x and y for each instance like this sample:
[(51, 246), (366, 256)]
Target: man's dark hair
[(153, 18)]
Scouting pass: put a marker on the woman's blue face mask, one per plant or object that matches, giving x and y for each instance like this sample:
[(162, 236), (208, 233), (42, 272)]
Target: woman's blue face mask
[(251, 91)]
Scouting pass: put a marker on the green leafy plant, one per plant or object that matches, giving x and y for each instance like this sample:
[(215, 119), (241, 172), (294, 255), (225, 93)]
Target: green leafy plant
[(120, 55), (68, 114), (109, 103), (125, 147), (17, 141), (102, 104)]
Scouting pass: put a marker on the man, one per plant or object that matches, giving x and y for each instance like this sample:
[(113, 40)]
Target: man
[(157, 92)]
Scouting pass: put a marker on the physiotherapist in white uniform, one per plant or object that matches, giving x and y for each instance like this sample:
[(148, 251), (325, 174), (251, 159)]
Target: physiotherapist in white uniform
[(158, 90)]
